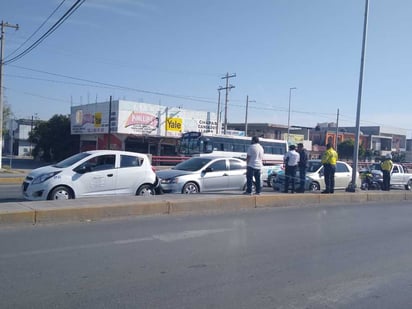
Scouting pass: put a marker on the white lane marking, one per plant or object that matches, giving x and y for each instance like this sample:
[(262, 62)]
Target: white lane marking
[(167, 237)]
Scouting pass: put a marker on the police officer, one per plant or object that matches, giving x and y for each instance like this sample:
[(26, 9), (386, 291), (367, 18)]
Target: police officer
[(329, 159), (386, 167), (291, 160)]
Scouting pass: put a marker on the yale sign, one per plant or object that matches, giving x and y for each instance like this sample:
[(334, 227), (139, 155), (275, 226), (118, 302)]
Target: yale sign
[(174, 124)]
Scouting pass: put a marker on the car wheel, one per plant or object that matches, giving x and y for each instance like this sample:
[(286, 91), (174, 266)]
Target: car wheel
[(146, 190), (190, 188), (269, 181), (408, 186), (61, 193), (314, 186)]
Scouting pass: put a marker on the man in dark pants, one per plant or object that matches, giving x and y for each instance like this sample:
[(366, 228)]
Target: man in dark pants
[(254, 161), (386, 167), (291, 160), (303, 159), (329, 159)]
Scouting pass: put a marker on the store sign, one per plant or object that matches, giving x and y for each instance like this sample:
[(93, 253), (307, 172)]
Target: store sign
[(207, 126), (174, 124), (97, 120)]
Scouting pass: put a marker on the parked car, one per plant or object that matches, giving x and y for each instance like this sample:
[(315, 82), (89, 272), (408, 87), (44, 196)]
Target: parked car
[(92, 173), (278, 182), (315, 177), (204, 174), (269, 171)]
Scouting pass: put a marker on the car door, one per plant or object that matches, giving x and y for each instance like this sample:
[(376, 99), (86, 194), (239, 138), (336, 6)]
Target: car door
[(100, 179), (131, 174), (237, 174), (343, 176), (397, 175), (217, 176)]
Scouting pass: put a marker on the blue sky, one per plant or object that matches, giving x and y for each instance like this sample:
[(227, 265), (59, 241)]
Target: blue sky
[(175, 53)]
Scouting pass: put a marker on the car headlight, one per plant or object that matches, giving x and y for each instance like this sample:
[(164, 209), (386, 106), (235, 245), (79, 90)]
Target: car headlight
[(44, 177), (169, 180)]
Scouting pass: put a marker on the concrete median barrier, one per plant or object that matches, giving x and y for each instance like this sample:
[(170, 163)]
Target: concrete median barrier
[(11, 213), (204, 203), (93, 209)]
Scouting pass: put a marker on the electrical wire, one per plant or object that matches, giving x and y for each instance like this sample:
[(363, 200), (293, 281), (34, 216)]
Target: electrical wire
[(37, 30), (69, 12), (256, 106)]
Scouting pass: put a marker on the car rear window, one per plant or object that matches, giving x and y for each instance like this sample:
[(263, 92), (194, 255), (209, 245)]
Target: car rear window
[(130, 161)]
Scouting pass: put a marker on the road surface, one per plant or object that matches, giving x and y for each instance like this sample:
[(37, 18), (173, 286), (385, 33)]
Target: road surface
[(348, 256)]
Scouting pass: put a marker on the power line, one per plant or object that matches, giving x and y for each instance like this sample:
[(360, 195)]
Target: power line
[(49, 32), (260, 107), (37, 30)]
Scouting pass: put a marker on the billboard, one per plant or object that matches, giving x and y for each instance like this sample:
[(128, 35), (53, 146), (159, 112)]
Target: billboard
[(128, 117)]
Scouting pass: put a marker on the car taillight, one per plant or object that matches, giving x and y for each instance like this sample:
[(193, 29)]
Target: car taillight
[(153, 169)]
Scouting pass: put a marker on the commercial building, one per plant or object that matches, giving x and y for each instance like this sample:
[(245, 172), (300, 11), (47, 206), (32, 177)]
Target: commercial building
[(136, 126)]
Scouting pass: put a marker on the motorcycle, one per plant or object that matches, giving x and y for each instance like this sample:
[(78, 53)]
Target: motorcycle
[(371, 180)]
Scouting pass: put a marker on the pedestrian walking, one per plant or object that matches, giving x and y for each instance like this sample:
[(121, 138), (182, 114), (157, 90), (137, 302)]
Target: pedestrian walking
[(302, 165), (329, 159), (386, 166), (254, 161), (291, 160)]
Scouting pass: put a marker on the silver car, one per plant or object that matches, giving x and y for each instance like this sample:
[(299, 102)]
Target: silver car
[(204, 174)]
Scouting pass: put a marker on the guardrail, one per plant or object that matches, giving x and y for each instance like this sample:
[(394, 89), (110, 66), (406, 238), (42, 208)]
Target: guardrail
[(167, 160)]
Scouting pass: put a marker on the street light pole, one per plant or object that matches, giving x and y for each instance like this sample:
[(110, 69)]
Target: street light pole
[(247, 108), (352, 186), (219, 120), (290, 99)]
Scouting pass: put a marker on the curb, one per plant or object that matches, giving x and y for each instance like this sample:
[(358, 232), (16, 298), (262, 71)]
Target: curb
[(87, 209), (11, 180)]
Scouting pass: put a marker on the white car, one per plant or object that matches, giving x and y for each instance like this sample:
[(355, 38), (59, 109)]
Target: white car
[(92, 173), (203, 174), (343, 175), (315, 180)]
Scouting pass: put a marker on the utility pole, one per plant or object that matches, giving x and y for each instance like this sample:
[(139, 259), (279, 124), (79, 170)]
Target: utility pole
[(247, 108), (227, 88), (2, 39)]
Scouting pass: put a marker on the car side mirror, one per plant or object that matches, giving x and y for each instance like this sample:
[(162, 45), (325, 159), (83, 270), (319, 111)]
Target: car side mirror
[(321, 173), (208, 170), (83, 169)]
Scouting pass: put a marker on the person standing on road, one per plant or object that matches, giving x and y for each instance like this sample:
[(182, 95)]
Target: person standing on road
[(386, 166), (254, 161), (303, 160), (329, 159), (291, 160)]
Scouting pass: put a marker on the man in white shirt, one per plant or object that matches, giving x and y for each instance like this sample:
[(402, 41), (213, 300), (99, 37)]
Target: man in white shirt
[(291, 160), (254, 161)]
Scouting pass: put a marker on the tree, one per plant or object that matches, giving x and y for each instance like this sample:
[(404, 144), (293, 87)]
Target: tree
[(53, 139), (7, 114), (346, 148)]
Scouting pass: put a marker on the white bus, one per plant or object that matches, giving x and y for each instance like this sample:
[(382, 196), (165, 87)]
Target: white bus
[(197, 143)]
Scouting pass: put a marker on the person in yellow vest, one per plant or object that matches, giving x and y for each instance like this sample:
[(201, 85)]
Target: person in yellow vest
[(329, 159), (386, 166)]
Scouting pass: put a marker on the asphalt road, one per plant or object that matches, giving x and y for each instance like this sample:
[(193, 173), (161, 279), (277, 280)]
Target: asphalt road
[(353, 256)]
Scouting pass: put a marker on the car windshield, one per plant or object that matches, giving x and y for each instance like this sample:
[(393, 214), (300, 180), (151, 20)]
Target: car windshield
[(193, 164), (71, 160), (313, 166)]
